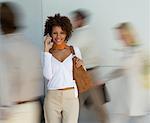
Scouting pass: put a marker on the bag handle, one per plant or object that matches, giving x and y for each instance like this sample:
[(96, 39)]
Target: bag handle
[(72, 51)]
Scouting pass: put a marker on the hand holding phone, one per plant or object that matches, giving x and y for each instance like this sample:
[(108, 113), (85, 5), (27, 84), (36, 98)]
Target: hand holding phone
[(48, 43)]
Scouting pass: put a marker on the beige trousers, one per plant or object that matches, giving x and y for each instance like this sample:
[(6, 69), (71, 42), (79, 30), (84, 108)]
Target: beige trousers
[(61, 106)]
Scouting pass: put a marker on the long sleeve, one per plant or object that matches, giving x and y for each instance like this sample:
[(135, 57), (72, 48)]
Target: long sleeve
[(47, 67), (77, 52)]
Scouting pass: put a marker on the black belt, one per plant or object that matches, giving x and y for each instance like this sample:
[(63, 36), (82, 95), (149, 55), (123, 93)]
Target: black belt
[(92, 68), (26, 101), (66, 88)]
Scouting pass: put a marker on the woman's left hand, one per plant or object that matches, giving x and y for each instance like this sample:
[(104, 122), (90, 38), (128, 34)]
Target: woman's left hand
[(79, 62)]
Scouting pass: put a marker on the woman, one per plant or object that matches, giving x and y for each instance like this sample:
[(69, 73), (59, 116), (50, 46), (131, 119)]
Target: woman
[(61, 102)]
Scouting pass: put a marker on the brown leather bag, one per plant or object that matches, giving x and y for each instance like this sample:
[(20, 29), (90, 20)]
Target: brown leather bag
[(81, 76)]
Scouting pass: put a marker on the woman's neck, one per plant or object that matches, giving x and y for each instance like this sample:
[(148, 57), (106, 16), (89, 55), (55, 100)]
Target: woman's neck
[(59, 46)]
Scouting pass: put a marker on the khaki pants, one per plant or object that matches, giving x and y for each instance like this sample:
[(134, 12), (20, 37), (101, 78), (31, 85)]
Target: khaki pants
[(61, 106)]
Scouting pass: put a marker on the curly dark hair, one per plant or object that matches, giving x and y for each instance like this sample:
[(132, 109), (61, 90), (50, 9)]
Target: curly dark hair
[(57, 20)]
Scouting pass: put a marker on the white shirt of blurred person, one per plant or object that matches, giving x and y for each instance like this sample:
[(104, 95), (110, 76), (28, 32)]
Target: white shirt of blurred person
[(20, 73), (132, 62), (84, 38), (61, 102)]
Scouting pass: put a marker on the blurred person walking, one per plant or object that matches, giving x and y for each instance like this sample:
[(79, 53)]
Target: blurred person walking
[(83, 37), (131, 71), (21, 71)]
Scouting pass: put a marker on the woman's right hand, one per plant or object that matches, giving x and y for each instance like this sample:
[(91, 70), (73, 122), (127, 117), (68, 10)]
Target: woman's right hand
[(48, 43)]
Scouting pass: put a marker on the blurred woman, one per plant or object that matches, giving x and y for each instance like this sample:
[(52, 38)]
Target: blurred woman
[(132, 65), (20, 73)]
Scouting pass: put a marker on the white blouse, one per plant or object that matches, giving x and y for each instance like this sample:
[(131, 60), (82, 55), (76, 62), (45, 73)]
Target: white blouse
[(60, 74)]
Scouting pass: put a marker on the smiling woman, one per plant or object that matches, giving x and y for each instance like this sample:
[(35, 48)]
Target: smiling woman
[(58, 35), (61, 102)]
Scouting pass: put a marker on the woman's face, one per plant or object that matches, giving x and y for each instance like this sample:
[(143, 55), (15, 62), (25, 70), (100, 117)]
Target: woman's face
[(58, 35)]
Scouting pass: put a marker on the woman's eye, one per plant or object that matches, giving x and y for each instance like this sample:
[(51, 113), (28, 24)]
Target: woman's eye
[(62, 33), (54, 33)]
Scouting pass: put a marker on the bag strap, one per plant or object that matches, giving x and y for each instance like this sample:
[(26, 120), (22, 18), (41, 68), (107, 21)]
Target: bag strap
[(72, 50)]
